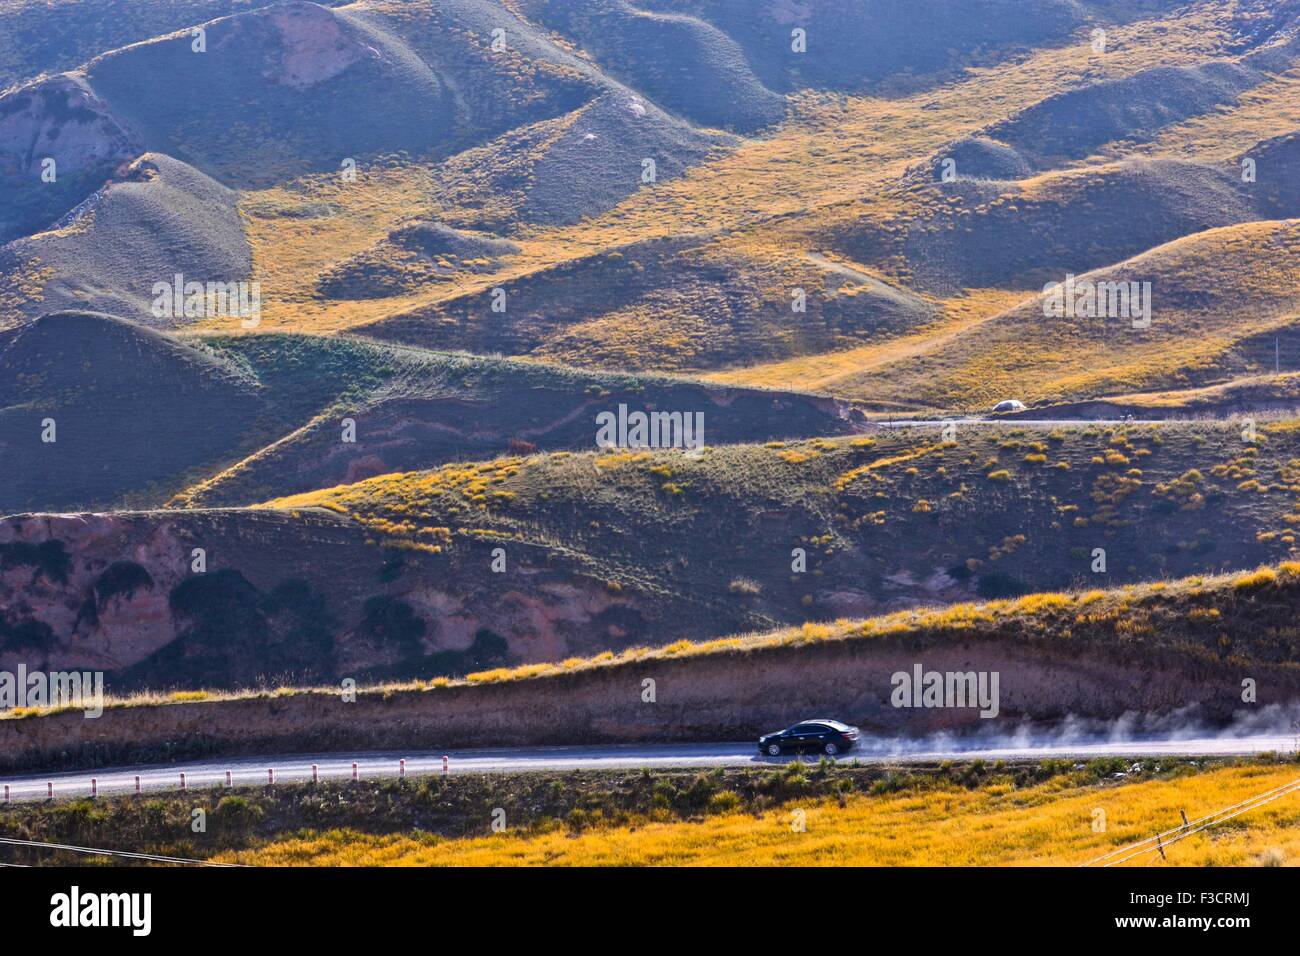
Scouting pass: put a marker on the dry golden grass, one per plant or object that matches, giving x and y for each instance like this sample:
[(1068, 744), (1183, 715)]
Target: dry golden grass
[(833, 371), (397, 507), (290, 252), (836, 162), (1250, 267), (21, 286), (1280, 387), (769, 203), (1050, 824), (1269, 110), (832, 155), (820, 165)]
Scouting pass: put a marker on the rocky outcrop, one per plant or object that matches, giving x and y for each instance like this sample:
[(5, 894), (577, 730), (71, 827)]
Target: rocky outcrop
[(58, 143), (313, 46), (228, 598)]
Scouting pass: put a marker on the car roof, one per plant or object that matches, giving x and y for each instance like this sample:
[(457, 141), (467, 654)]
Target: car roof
[(827, 721)]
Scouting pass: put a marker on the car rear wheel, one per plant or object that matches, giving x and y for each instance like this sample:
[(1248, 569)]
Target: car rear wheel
[(831, 750), (774, 749)]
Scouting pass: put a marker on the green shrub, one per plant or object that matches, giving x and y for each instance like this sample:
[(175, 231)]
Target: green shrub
[(236, 813), (724, 801)]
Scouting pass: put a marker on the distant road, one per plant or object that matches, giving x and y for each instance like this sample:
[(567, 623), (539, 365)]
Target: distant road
[(1032, 422), (252, 771)]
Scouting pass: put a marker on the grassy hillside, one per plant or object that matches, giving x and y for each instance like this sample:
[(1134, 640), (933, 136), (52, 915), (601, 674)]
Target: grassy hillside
[(959, 238), (899, 822), (142, 417), (1251, 393), (40, 36), (826, 151), (669, 304), (874, 45), (414, 409), (1035, 231), (611, 550), (573, 202), (893, 516), (519, 166), (314, 73), (678, 60), (1219, 300), (159, 218), (93, 408), (1201, 331), (1072, 126)]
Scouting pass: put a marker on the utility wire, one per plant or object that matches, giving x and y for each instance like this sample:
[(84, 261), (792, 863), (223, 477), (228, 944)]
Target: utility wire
[(150, 857), (1208, 816), (1152, 844), (1206, 826)]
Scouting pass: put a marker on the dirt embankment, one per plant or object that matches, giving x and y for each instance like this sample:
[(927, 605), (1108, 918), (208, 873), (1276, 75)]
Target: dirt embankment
[(120, 593), (704, 697)]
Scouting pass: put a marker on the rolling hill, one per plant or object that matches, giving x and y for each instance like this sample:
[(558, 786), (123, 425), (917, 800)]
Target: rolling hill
[(159, 219), (93, 408), (476, 225), (541, 557), (51, 37), (425, 408), (1218, 300), (141, 417)]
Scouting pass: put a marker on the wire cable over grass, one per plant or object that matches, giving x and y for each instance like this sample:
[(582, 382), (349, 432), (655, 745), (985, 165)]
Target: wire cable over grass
[(1157, 843), (147, 857)]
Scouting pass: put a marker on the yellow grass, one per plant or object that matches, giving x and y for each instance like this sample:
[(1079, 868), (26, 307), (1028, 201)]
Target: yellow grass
[(768, 206), (1271, 109), (290, 253), (1050, 824), (1285, 385), (827, 372), (831, 153), (1020, 353)]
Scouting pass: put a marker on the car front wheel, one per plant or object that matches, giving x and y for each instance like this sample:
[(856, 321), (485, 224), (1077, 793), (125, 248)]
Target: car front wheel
[(774, 749), (831, 750)]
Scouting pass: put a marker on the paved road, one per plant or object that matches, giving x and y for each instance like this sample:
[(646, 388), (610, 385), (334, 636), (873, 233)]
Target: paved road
[(1010, 422), (252, 771)]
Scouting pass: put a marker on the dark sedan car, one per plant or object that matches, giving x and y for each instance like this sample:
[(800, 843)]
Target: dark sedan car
[(826, 736)]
